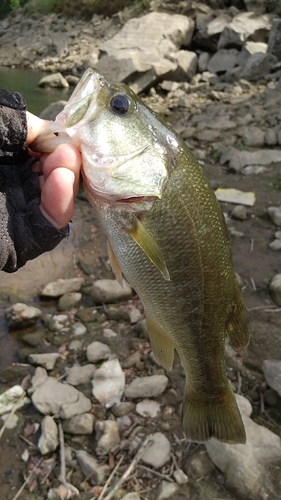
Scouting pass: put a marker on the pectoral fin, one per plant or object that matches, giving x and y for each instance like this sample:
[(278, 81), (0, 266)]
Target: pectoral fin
[(162, 347), (237, 326), (150, 247), (115, 264)]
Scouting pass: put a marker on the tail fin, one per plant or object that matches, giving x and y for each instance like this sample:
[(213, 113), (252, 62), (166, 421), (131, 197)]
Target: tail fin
[(219, 418)]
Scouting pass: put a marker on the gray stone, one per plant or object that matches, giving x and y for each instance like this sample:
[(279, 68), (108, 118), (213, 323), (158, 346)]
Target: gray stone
[(274, 41), (270, 138), (158, 453), (166, 489), (11, 397), (107, 435), (46, 360), (257, 66), (187, 63), (91, 467), (240, 159), (217, 25), (249, 469), (80, 424), (180, 476), (239, 212), (53, 397), (109, 334), (133, 359), (21, 315), (253, 137), (272, 371), (147, 387), (40, 375), (87, 314), (97, 351), (107, 291), (123, 408), (275, 214), (109, 383), (243, 26), (148, 408), (203, 61), (62, 286), (69, 300), (56, 322), (75, 345), (131, 496), (275, 245), (200, 465), (48, 440), (51, 111), (223, 60), (80, 374), (34, 339), (78, 328), (54, 80)]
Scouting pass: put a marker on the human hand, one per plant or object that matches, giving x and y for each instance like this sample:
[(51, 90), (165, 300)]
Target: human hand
[(60, 180)]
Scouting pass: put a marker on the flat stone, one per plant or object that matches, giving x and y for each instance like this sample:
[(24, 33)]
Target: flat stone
[(97, 351), (62, 286), (272, 371), (222, 61), (258, 65), (253, 137), (147, 387), (48, 440), (53, 397), (54, 80), (21, 315), (131, 496), (109, 383), (123, 408), (180, 476), (80, 374), (275, 214), (10, 398), (80, 424), (107, 291), (107, 435), (232, 195), (158, 453), (46, 360)]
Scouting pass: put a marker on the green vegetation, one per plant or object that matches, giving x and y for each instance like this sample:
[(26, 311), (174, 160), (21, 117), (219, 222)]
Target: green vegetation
[(86, 7)]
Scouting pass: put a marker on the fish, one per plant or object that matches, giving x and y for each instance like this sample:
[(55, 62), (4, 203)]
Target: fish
[(167, 237)]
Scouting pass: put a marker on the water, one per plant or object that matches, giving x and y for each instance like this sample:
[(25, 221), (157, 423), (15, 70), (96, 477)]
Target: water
[(26, 81)]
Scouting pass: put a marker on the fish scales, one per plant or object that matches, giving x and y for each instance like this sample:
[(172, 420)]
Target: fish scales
[(168, 237)]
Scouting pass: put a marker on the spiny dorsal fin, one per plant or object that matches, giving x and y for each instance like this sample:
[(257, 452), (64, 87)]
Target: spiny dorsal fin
[(150, 247)]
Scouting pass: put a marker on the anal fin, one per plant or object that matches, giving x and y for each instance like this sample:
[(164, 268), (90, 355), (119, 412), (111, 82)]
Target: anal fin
[(147, 243), (115, 264), (163, 348), (237, 326)]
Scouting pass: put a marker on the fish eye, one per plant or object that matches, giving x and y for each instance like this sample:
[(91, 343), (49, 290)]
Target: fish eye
[(120, 104)]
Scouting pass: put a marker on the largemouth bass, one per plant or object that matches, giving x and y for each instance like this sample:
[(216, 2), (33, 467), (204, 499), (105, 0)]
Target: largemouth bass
[(167, 236)]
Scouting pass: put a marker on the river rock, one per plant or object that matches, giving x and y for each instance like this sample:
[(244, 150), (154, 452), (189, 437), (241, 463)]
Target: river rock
[(62, 286), (107, 435), (80, 424), (21, 315), (253, 137), (107, 291), (180, 476), (11, 397), (158, 452), (109, 383), (147, 387), (131, 496), (87, 314), (240, 159), (275, 289), (48, 440), (275, 214), (166, 490), (53, 397), (78, 328), (51, 111), (80, 374), (249, 469), (148, 408), (54, 80), (123, 408), (47, 360), (272, 371), (97, 351), (239, 212), (223, 60), (257, 66), (69, 300), (90, 467)]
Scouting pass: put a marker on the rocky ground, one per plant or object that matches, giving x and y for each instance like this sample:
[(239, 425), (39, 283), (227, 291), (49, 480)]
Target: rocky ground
[(97, 418)]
